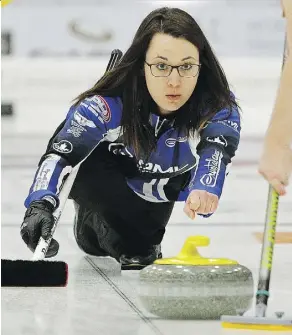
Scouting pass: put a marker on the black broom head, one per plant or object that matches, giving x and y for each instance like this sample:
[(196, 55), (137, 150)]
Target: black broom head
[(23, 273)]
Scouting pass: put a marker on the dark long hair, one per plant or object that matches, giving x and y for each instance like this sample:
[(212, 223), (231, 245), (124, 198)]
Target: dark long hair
[(127, 81)]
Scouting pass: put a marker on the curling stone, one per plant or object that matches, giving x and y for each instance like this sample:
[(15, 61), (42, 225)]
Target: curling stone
[(190, 286)]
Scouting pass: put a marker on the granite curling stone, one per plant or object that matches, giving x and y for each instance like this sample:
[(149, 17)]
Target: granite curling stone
[(190, 286)]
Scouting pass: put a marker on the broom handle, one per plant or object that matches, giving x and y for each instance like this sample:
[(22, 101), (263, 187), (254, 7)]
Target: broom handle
[(43, 245), (262, 294)]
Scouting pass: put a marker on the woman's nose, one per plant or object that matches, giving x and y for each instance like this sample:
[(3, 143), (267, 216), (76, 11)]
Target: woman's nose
[(174, 78)]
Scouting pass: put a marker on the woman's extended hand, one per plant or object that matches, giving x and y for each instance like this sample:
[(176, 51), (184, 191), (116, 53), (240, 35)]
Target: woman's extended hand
[(201, 202)]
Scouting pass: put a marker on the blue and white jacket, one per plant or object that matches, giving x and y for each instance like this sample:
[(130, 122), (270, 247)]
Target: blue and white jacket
[(205, 156)]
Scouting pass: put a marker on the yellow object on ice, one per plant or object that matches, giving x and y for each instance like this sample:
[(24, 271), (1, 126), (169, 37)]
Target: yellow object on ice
[(5, 2), (268, 327), (189, 254)]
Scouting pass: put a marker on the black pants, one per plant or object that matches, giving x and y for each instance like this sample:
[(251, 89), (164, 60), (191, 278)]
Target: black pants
[(100, 186)]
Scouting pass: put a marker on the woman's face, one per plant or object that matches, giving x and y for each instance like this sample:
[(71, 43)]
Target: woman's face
[(173, 91)]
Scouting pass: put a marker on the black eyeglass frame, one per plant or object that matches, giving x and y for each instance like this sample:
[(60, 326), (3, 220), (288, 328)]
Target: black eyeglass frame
[(174, 67)]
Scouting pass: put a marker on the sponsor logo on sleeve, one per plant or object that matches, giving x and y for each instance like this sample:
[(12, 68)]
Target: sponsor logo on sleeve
[(100, 106), (213, 165), (76, 130), (83, 121), (65, 147), (219, 139), (43, 178)]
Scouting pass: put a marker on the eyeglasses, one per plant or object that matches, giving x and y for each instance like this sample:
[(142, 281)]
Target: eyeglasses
[(164, 70)]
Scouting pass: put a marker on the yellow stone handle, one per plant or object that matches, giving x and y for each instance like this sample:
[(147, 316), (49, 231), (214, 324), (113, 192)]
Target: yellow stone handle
[(189, 249), (189, 255)]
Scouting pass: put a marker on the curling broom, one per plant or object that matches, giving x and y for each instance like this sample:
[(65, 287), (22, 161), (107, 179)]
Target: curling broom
[(38, 272), (260, 321)]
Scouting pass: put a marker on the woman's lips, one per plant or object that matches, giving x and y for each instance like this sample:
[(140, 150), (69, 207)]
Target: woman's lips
[(173, 97)]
